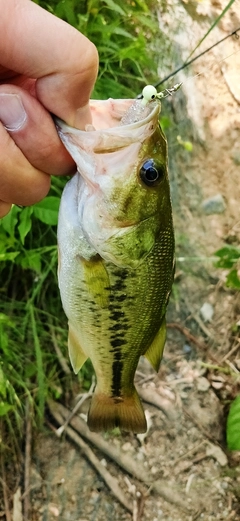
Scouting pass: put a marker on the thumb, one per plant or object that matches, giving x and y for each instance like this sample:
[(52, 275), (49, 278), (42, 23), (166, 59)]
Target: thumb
[(33, 131), (63, 61)]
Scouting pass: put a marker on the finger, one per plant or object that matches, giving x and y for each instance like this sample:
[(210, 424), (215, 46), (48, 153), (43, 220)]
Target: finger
[(32, 129), (20, 182), (63, 61), (4, 209)]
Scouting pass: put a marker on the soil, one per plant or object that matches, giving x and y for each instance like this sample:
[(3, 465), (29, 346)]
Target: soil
[(185, 446)]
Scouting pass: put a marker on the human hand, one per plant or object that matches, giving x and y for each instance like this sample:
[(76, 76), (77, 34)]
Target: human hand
[(46, 66)]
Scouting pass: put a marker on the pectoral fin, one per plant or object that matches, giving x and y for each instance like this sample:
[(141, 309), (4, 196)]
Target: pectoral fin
[(155, 350), (129, 247), (76, 354)]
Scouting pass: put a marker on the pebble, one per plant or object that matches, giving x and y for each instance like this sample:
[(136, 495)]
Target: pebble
[(203, 384), (206, 312), (127, 447), (220, 456), (215, 204), (187, 349), (54, 510)]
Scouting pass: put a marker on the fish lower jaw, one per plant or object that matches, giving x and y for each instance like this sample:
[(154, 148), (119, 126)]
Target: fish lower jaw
[(107, 412)]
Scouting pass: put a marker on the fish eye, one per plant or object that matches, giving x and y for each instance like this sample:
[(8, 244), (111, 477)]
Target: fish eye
[(151, 173)]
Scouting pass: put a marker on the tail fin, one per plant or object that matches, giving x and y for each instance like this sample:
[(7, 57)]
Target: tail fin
[(107, 412)]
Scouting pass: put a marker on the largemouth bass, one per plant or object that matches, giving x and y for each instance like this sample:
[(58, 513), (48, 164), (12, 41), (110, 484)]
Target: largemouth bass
[(116, 250)]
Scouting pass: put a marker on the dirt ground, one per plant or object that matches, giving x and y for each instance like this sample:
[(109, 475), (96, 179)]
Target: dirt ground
[(185, 471)]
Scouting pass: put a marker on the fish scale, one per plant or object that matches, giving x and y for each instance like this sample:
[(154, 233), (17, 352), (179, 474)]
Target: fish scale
[(116, 250)]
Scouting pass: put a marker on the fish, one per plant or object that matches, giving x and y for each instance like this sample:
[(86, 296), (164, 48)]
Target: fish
[(116, 253)]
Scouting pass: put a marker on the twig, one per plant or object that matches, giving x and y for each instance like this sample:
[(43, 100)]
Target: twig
[(145, 378), (108, 449), (26, 501), (234, 369), (201, 428), (232, 351), (61, 429), (140, 505), (186, 454), (5, 495), (202, 326), (110, 480), (135, 511), (191, 337), (151, 396), (188, 335), (125, 462), (62, 360), (190, 464)]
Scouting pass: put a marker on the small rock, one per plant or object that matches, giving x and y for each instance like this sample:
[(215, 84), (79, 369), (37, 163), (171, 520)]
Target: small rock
[(127, 447), (203, 384), (218, 454), (54, 510), (206, 312), (187, 350), (140, 456), (215, 204), (217, 385)]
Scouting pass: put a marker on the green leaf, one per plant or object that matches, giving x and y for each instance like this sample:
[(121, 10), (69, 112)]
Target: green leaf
[(31, 260), (47, 210), (4, 319), (10, 220), (122, 32), (114, 7), (25, 222), (233, 280), (8, 256), (228, 256), (233, 425), (5, 408), (3, 386)]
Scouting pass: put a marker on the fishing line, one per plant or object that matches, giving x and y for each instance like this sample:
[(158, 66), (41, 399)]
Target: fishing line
[(191, 78), (206, 69), (187, 63)]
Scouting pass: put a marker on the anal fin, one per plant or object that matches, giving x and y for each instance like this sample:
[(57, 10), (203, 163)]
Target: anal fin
[(76, 354), (108, 412), (155, 350)]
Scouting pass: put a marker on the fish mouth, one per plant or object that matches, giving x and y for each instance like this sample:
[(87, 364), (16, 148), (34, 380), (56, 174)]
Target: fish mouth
[(107, 115), (108, 143)]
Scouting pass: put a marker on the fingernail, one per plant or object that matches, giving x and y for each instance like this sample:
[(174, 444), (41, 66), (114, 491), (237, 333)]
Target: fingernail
[(12, 112)]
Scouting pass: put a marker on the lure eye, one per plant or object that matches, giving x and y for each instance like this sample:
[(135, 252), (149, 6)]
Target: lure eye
[(151, 173), (149, 93)]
